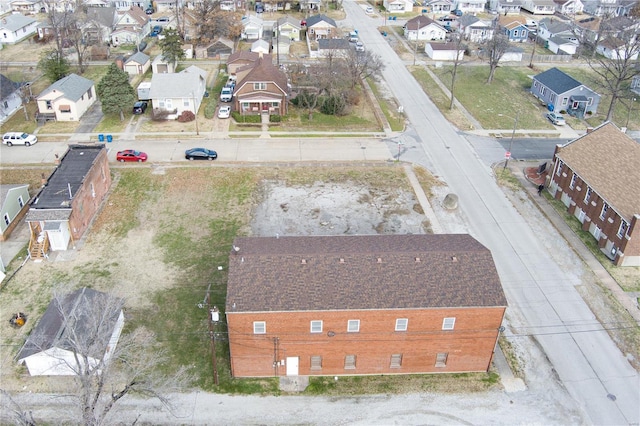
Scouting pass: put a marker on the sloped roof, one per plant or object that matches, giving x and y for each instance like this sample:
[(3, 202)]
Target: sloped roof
[(315, 19), (178, 85), (137, 14), (510, 20), (554, 26), (139, 58), (445, 46), (56, 328), (318, 273), (72, 86), (289, 20), (607, 160), (65, 181), (557, 81), (263, 70), (7, 87), (15, 21), (105, 16), (468, 19), (421, 21), (244, 55)]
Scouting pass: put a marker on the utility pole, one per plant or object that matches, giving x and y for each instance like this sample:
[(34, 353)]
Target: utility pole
[(508, 154)]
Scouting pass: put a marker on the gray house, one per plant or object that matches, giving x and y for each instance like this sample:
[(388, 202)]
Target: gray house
[(175, 93), (10, 99), (561, 92), (14, 206)]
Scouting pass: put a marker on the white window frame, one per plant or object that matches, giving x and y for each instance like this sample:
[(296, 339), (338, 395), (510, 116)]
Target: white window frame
[(313, 326), (603, 212), (587, 194), (441, 359), (259, 327), (559, 167), (623, 229), (572, 184), (260, 86), (402, 324), (448, 323), (565, 100), (353, 326)]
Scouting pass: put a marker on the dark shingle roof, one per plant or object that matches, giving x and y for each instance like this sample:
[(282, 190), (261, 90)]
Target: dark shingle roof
[(7, 87), (67, 178), (54, 331), (333, 43), (420, 21), (607, 160), (376, 272), (313, 20), (557, 81)]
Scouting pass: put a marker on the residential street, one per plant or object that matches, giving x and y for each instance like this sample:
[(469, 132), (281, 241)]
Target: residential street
[(542, 297)]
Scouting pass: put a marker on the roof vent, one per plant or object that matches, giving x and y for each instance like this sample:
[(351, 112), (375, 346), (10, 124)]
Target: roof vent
[(342, 260), (417, 260), (454, 259), (379, 260), (303, 261)]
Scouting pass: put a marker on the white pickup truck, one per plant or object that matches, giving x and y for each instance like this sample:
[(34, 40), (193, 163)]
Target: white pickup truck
[(227, 94)]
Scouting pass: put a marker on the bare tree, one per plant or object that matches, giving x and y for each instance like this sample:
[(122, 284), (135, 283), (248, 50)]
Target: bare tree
[(59, 21), (105, 374), (20, 417), (496, 48), (616, 70), (362, 65), (457, 41)]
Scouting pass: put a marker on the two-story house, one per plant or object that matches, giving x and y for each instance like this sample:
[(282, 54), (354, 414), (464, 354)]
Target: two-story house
[(597, 177), (362, 304), (131, 27)]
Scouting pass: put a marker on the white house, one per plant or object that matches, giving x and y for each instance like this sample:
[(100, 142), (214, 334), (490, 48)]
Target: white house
[(92, 319), (539, 7), (67, 99), (29, 7), (252, 28), (398, 6), (16, 27), (563, 45), (471, 6), (261, 46), (614, 48), (424, 28), (131, 27), (10, 99), (569, 7), (178, 92), (443, 51)]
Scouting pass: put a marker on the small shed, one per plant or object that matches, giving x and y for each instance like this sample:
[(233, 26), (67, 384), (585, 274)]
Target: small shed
[(144, 91), (162, 66), (443, 51)]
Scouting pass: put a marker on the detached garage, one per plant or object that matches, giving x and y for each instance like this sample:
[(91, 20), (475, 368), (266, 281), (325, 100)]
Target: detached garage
[(443, 51)]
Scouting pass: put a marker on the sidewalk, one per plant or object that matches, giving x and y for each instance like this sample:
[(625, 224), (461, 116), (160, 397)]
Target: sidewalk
[(530, 185)]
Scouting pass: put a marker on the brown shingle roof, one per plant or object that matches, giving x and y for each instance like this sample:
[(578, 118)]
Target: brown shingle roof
[(376, 272), (263, 70), (609, 162), (420, 21)]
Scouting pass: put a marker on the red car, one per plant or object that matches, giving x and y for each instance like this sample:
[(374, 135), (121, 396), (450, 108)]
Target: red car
[(131, 155)]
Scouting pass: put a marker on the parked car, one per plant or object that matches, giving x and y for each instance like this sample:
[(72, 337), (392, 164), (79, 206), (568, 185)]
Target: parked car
[(163, 19), (18, 138), (556, 118), (155, 31), (200, 154), (369, 9), (359, 46), (131, 155), (139, 107), (224, 111), (149, 11), (141, 46), (227, 94)]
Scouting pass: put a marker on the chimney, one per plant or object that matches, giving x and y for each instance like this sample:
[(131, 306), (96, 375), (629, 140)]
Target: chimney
[(589, 130)]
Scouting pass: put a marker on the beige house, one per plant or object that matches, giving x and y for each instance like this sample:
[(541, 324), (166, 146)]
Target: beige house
[(67, 99)]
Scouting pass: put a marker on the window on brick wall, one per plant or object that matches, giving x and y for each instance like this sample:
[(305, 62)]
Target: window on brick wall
[(401, 324), (573, 181), (623, 229), (259, 327), (396, 361), (350, 362), (587, 194), (441, 359), (353, 326), (316, 362), (448, 323), (603, 212), (316, 326), (559, 167)]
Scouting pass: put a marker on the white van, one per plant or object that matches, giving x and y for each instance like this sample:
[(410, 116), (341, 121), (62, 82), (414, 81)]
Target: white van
[(353, 37), (18, 138)]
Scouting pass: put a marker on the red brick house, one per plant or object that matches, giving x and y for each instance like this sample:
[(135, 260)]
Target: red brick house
[(357, 305), (65, 206), (597, 176), (261, 88)]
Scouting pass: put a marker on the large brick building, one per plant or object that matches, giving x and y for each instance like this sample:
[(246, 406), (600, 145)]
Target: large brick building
[(355, 305), (597, 176)]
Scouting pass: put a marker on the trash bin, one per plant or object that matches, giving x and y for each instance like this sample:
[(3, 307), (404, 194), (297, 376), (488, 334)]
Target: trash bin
[(109, 138), (100, 137)]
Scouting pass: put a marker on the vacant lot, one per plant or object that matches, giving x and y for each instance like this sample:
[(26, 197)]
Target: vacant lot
[(163, 233)]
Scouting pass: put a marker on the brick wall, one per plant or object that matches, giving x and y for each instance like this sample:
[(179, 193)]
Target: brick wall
[(468, 347)]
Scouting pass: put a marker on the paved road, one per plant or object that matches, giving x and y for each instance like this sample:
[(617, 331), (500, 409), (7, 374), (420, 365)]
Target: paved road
[(542, 297)]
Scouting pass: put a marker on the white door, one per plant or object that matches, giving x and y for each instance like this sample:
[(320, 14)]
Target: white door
[(292, 366)]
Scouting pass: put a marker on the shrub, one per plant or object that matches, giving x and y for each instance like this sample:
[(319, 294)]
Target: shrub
[(275, 118), (210, 109), (333, 105), (589, 112), (245, 118), (563, 111), (161, 114), (186, 116)]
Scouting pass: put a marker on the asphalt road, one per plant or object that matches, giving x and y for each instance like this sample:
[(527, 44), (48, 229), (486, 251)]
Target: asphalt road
[(542, 296)]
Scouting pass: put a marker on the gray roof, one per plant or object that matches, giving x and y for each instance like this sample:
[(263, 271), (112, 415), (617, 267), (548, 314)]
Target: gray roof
[(313, 20), (180, 85), (467, 19), (4, 190), (72, 87), (554, 26), (7, 87), (557, 81), (15, 21), (333, 43), (289, 20), (66, 179), (318, 273), (105, 16), (70, 315), (139, 57)]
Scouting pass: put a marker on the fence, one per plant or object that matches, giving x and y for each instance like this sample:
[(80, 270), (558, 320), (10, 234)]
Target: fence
[(548, 58)]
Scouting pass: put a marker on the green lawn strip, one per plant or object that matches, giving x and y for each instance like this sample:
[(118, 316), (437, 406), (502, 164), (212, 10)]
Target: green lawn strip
[(112, 123), (396, 121)]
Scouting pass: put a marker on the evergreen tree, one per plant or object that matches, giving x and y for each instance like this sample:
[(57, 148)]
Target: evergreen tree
[(171, 46), (115, 92), (54, 65)]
